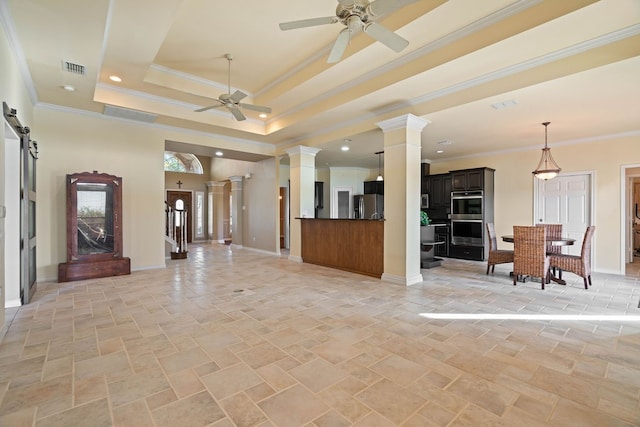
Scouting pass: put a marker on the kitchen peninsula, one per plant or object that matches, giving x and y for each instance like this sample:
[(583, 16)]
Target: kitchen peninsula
[(355, 245)]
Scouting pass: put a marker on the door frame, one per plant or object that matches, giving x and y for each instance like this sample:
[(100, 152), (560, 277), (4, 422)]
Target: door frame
[(334, 200), (28, 155), (626, 227), (190, 211), (592, 199)]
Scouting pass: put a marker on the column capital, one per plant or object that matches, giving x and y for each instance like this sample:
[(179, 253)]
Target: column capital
[(406, 121), (215, 184), (236, 178), (302, 149)]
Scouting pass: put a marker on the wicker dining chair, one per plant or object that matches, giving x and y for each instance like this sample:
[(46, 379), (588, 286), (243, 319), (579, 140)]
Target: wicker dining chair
[(553, 231), (496, 256), (579, 265), (530, 253)]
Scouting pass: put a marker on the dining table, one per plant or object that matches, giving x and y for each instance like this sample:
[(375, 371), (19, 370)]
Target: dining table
[(553, 241)]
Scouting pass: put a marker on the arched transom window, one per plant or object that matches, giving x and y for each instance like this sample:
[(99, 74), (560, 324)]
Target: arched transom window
[(182, 162)]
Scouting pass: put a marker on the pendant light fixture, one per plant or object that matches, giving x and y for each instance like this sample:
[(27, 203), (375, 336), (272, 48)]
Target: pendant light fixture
[(547, 167), (380, 177)]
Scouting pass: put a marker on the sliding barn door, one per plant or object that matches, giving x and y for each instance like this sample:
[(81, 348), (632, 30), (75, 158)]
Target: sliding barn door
[(28, 158)]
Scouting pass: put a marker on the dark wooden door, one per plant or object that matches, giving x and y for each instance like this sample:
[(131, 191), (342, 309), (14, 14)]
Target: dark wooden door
[(182, 200)]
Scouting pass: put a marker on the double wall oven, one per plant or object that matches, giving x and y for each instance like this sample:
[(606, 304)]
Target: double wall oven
[(467, 218)]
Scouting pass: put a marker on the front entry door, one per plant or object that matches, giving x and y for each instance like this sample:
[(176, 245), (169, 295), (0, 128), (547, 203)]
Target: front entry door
[(181, 200), (566, 200)]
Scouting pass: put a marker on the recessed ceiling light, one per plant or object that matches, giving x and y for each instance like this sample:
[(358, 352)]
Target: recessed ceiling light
[(263, 115), (219, 153), (69, 88), (440, 151), (344, 148), (115, 78), (445, 142), (346, 140)]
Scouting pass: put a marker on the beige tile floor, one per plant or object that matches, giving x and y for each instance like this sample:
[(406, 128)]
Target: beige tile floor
[(235, 337)]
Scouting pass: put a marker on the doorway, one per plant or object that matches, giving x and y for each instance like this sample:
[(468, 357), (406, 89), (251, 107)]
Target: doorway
[(182, 200), (18, 215), (284, 215), (341, 205), (630, 220)]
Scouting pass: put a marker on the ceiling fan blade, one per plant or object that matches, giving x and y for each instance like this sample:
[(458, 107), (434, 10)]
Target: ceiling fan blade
[(339, 46), (210, 107), (385, 36), (259, 108), (237, 114), (237, 96), (308, 23), (380, 7)]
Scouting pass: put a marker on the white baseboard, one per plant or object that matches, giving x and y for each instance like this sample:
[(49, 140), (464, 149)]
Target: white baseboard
[(295, 258), (12, 303), (262, 251), (401, 280)]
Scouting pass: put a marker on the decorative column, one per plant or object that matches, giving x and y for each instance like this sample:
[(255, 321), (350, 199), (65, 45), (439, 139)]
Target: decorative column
[(402, 147), (237, 209), (302, 174), (215, 202)]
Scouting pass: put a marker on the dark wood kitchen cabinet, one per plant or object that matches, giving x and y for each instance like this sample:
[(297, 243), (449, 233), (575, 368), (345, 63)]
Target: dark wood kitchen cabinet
[(471, 179), (439, 190), (374, 187)]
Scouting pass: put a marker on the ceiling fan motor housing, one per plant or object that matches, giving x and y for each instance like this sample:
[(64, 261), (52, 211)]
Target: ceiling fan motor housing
[(358, 10)]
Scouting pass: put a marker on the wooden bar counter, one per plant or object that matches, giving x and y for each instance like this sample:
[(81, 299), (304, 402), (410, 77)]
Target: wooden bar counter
[(355, 245)]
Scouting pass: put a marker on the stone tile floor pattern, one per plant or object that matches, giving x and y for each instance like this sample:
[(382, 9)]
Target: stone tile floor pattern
[(237, 337)]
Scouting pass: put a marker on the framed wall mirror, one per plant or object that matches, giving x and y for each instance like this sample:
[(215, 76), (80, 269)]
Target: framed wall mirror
[(94, 232)]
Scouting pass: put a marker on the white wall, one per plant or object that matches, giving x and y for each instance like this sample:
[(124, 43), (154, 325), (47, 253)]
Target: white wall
[(71, 143), (349, 177), (260, 199), (261, 212), (15, 91)]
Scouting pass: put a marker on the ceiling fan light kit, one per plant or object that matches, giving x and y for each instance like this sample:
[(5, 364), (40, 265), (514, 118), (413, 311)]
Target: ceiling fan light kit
[(357, 15), (232, 100)]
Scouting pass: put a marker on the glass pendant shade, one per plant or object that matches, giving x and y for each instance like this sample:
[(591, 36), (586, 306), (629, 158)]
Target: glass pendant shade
[(380, 177), (547, 167)]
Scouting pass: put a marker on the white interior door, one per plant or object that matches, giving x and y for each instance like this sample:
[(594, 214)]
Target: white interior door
[(566, 200), (341, 206)]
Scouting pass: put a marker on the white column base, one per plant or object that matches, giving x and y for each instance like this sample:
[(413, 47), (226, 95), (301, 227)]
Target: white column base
[(401, 280)]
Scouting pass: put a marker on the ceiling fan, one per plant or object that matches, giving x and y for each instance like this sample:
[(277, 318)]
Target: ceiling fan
[(357, 15), (232, 100)]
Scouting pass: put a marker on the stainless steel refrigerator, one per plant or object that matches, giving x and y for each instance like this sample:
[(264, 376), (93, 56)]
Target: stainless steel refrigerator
[(368, 206)]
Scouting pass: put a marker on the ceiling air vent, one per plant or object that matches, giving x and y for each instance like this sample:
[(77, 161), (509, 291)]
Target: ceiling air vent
[(126, 113), (74, 68)]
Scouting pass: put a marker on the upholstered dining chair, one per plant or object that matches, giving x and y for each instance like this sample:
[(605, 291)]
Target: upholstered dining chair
[(579, 265), (496, 256), (530, 253)]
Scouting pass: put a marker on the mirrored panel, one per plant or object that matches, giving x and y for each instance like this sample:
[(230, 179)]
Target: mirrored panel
[(95, 218)]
